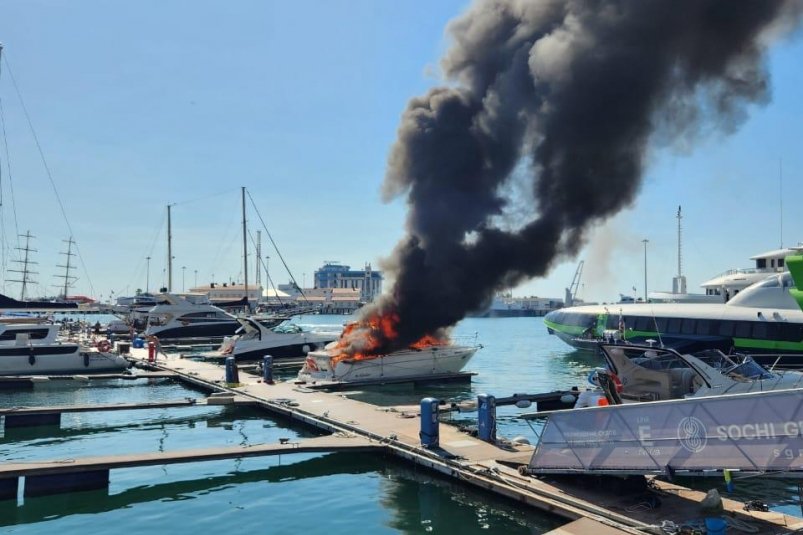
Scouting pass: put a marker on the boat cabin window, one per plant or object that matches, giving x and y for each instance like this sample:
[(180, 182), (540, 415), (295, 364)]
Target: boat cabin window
[(673, 326), (687, 326), (33, 334), (742, 329), (643, 323), (704, 327), (760, 330), (761, 263), (726, 328)]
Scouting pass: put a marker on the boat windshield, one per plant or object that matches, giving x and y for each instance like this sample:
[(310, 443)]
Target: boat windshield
[(748, 370), (716, 359), (290, 328)]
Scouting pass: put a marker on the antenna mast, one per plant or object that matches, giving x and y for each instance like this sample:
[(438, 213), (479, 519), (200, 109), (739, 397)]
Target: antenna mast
[(68, 280), (679, 281), (780, 194), (245, 254), (680, 242), (26, 265), (169, 253)]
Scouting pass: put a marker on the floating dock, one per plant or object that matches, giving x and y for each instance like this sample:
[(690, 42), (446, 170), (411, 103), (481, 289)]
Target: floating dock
[(493, 467)]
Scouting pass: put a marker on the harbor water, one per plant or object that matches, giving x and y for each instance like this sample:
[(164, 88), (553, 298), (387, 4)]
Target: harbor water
[(312, 493)]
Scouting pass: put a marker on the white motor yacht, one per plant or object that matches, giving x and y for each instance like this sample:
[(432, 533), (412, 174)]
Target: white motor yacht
[(177, 317), (329, 365), (35, 350), (255, 339), (650, 373)]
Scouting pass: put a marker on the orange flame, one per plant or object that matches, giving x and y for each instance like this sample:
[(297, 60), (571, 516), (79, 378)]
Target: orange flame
[(370, 337)]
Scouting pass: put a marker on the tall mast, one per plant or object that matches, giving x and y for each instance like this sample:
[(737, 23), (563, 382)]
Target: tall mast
[(245, 253), (26, 264), (257, 271), (680, 235), (169, 253), (67, 267)]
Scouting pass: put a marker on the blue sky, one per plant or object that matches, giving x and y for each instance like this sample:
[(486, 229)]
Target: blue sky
[(137, 105)]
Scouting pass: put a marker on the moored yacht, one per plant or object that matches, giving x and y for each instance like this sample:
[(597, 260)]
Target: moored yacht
[(177, 317), (434, 360), (254, 340), (35, 350)]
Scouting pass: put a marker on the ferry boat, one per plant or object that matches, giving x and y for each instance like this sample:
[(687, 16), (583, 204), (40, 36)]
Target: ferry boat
[(407, 363), (764, 319)]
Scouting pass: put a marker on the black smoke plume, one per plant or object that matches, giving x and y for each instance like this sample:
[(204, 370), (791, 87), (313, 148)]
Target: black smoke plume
[(567, 95)]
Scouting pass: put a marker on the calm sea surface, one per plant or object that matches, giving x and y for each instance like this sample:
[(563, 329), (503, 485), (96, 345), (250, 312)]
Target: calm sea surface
[(309, 493)]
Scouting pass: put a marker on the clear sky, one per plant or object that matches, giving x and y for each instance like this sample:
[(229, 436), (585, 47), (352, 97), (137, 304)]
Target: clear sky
[(137, 105)]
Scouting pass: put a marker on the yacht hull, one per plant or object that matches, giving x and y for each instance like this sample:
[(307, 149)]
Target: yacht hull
[(320, 366), (57, 360), (216, 330)]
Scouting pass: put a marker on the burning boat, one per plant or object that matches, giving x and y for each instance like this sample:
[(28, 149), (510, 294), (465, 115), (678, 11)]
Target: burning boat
[(363, 354)]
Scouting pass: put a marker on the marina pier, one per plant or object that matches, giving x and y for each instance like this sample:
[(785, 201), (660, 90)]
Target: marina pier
[(392, 431)]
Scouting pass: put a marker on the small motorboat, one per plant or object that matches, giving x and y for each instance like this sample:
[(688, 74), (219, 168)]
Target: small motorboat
[(330, 365), (653, 373)]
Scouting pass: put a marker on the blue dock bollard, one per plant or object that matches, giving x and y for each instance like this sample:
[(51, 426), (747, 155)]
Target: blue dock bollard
[(486, 420), (232, 375), (267, 370), (429, 434)]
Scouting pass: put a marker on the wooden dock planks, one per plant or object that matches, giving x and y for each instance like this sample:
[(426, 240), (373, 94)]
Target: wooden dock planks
[(488, 466), (110, 462)]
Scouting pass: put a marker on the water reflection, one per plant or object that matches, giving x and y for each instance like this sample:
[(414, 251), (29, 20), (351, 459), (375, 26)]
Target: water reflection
[(414, 501)]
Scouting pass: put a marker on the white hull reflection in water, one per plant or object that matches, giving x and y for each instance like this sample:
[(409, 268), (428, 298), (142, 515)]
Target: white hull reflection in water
[(433, 360)]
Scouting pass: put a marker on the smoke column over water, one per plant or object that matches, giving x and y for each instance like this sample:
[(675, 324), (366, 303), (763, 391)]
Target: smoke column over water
[(568, 94)]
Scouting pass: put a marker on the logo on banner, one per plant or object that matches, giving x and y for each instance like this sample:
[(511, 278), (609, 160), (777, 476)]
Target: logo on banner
[(691, 434)]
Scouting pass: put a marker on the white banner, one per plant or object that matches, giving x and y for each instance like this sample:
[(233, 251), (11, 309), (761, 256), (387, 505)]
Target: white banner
[(755, 432)]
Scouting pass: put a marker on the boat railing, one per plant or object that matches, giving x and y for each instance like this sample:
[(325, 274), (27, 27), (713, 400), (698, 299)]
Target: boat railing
[(466, 339), (777, 359)]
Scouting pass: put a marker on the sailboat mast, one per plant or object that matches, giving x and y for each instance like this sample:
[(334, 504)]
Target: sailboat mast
[(169, 253), (257, 271), (245, 253), (67, 267), (26, 263)]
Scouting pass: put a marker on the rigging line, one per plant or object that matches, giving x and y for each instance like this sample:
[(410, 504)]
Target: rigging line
[(270, 237), (141, 266), (205, 197), (8, 167), (47, 170), (224, 242), (268, 277)]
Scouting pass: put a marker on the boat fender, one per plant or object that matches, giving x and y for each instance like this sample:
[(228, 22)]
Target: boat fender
[(305, 349), (32, 358), (617, 382), (86, 360)]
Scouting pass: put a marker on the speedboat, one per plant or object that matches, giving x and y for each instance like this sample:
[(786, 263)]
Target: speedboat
[(330, 365), (255, 339), (654, 374), (35, 350)]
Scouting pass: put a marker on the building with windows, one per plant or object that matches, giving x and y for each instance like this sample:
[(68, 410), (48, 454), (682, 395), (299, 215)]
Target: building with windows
[(229, 292), (335, 275)]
